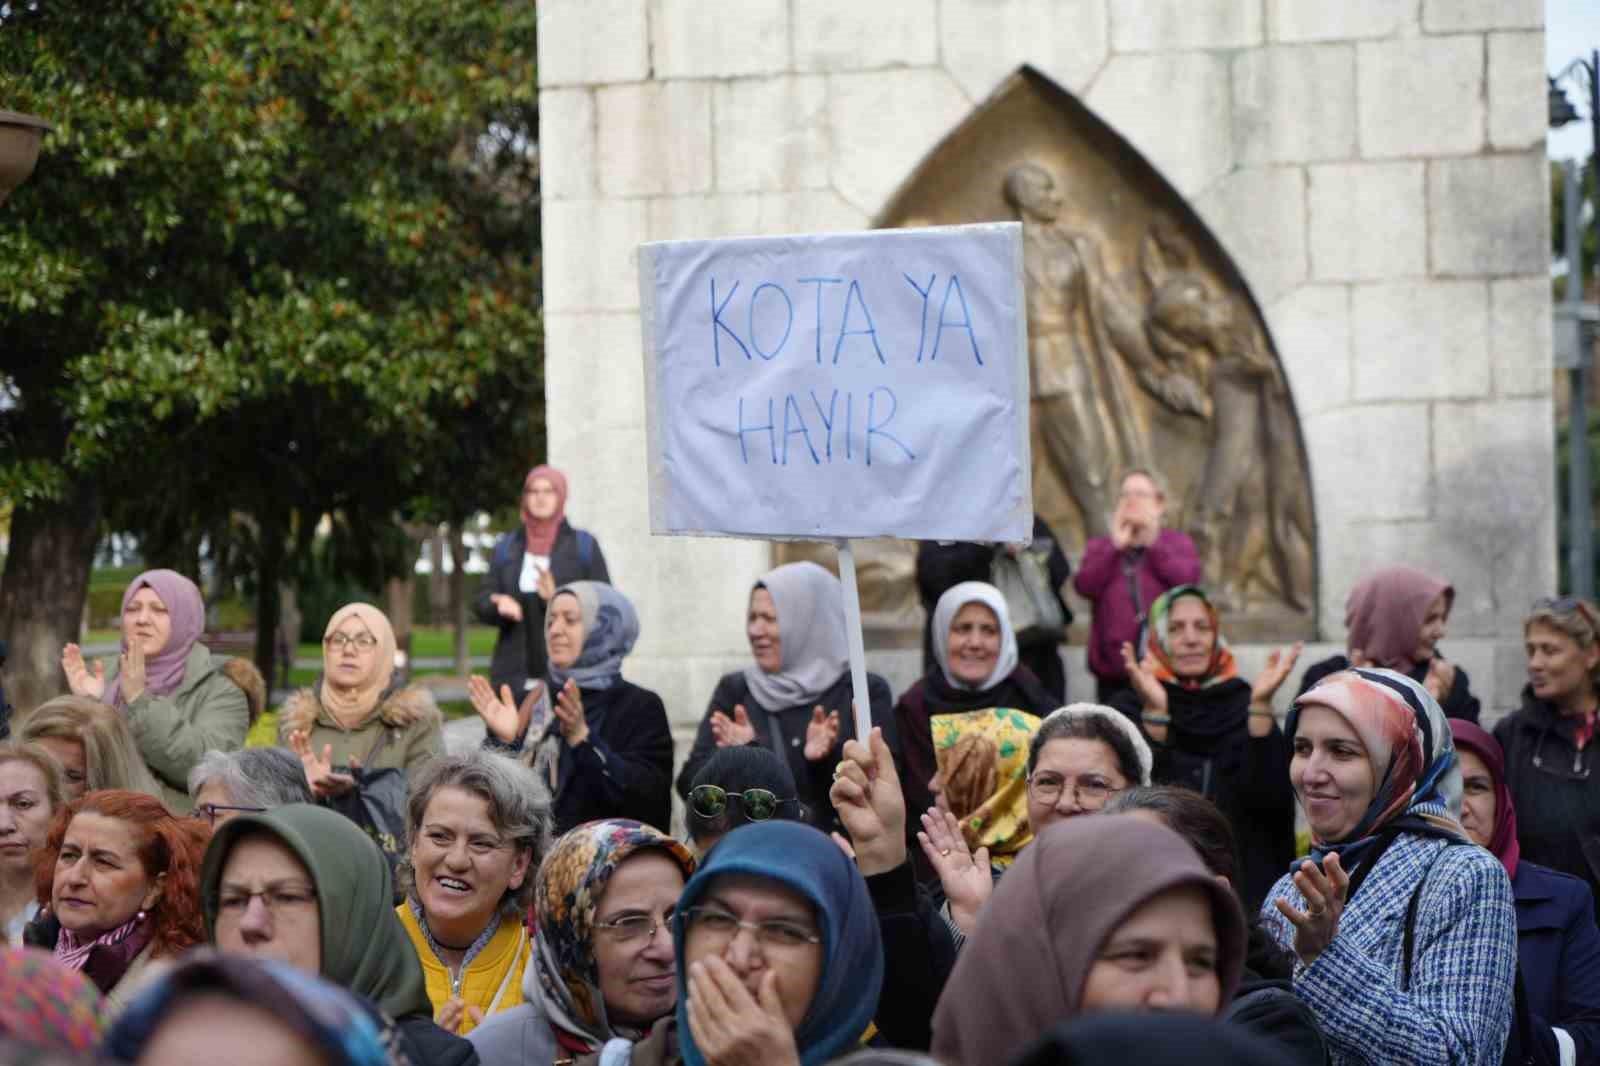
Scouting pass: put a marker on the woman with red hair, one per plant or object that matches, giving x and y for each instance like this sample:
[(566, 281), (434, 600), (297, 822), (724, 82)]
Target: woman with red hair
[(121, 875)]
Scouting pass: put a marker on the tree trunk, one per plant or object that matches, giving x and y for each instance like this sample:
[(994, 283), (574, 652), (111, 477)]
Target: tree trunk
[(43, 592), (438, 585), (458, 597), (269, 578), (400, 589)]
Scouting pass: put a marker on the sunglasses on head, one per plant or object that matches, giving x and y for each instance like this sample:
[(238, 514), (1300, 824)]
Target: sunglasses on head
[(1566, 605), (710, 801)]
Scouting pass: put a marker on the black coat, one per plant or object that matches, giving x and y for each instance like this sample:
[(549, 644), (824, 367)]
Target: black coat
[(1459, 702), (1557, 801), (429, 1045), (918, 955), (623, 769), (1246, 777), (1558, 951), (813, 779), (519, 649)]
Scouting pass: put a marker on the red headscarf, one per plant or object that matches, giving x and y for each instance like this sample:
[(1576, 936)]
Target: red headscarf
[(1503, 840), (1384, 613), (542, 531)]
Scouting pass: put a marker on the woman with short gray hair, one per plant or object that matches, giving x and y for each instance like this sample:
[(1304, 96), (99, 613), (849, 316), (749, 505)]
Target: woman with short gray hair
[(477, 826), (250, 781)]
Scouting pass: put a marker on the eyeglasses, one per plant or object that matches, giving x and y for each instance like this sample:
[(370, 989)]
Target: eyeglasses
[(1566, 605), (341, 641), (208, 811), (634, 926), (1088, 792), (716, 924), (709, 801), (277, 899)]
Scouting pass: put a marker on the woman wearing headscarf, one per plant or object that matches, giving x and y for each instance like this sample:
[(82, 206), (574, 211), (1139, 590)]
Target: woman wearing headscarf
[(1394, 619), (1214, 732), (1549, 742), (179, 700), (1099, 914), (46, 1005), (358, 714), (779, 956), (528, 566), (305, 886), (603, 971), (605, 747), (983, 778), (1558, 945), (975, 668), (797, 697), (1154, 1040), (277, 1012), (1406, 941)]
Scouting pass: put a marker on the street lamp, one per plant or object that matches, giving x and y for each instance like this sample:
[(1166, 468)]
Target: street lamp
[(19, 148), (1580, 557)]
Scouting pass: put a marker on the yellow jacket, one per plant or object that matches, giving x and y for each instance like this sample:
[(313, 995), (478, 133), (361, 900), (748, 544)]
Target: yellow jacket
[(492, 981)]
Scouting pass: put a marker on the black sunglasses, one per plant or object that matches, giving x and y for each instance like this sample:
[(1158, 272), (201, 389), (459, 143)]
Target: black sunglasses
[(710, 801)]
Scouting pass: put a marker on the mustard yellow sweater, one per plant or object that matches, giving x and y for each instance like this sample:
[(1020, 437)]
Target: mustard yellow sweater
[(492, 981)]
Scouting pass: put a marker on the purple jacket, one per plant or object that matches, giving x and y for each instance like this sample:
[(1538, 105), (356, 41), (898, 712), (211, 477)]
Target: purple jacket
[(1170, 561)]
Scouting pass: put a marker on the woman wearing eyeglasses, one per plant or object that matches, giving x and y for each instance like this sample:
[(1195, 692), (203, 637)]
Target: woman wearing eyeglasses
[(779, 959), (303, 885), (1551, 767), (735, 787), (357, 714), (603, 970), (226, 784), (1214, 732), (477, 826), (604, 748)]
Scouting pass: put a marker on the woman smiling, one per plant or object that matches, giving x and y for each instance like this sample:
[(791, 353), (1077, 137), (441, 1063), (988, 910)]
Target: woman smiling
[(477, 824), (1406, 942), (975, 668)]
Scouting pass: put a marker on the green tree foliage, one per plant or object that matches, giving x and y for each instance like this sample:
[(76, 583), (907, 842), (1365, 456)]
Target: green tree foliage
[(278, 259)]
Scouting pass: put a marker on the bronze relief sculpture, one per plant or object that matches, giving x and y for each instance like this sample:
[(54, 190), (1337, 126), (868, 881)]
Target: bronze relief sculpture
[(1146, 348)]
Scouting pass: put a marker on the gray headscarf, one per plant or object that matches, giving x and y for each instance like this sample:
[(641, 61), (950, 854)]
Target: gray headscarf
[(810, 607), (610, 628), (944, 616)]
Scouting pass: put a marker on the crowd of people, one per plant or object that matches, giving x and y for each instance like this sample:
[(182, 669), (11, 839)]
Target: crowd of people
[(995, 876)]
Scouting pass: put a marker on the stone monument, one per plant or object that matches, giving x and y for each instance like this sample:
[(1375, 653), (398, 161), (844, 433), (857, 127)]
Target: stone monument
[(1292, 254)]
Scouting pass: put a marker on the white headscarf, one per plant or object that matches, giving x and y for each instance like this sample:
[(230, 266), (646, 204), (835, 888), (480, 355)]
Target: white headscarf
[(944, 615), (810, 607), (1120, 722)]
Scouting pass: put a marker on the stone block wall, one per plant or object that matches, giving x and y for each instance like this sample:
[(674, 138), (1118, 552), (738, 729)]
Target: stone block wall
[(1375, 167)]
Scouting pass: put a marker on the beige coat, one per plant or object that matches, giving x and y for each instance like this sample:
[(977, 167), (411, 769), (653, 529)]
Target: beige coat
[(408, 723)]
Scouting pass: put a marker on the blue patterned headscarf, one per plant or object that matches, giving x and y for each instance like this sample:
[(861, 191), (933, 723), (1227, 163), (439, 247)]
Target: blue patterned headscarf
[(804, 860), (345, 1029), (610, 629)]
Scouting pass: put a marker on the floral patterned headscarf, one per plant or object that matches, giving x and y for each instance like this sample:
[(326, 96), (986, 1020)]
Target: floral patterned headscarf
[(1219, 669), (983, 767), (572, 879)]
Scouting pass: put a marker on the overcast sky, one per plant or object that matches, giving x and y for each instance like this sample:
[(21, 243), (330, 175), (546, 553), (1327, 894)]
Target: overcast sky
[(1572, 28)]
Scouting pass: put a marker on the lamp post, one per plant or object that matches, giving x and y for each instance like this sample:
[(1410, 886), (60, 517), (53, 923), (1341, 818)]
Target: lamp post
[(19, 148), (1580, 557)]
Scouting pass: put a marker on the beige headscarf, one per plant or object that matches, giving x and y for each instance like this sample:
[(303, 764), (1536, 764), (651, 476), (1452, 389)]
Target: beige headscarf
[(351, 706)]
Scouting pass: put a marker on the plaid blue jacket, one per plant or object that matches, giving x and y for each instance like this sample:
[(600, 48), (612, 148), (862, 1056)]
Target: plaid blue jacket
[(1463, 960)]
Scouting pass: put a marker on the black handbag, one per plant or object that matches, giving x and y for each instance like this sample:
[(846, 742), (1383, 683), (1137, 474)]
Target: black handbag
[(377, 804)]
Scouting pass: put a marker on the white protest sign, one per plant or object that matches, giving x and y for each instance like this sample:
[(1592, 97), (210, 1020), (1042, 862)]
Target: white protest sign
[(839, 385)]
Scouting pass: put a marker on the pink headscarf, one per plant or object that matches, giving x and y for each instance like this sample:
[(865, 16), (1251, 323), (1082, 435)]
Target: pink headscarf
[(542, 532), (1384, 613), (1503, 838), (163, 672)]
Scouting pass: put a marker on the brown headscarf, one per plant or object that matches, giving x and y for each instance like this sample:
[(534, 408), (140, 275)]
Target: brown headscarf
[(1383, 614), (541, 532), (351, 706), (1025, 966)]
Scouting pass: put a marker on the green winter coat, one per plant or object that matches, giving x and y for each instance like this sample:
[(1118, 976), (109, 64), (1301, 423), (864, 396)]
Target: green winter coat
[(407, 722), (208, 711)]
